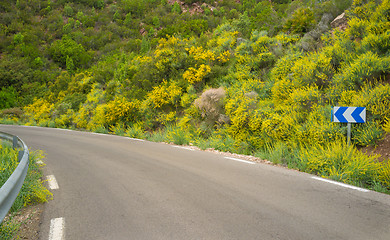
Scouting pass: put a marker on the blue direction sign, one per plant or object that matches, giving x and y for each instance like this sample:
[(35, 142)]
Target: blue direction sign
[(349, 114)]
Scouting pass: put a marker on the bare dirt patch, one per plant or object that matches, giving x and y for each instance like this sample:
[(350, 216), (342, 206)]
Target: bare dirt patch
[(382, 149), (30, 220)]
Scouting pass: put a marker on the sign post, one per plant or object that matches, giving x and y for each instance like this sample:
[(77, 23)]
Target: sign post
[(349, 115)]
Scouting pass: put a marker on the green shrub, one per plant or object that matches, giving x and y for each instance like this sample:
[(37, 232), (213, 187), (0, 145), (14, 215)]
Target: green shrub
[(8, 97), (100, 129), (300, 22), (368, 66), (68, 10), (279, 153), (136, 131), (340, 162), (379, 44), (304, 99), (67, 48), (376, 99), (13, 113), (367, 134), (218, 140), (117, 129), (157, 136), (177, 135), (386, 125), (8, 229), (384, 174)]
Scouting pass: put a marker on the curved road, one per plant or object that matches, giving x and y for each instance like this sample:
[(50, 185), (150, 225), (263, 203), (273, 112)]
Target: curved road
[(113, 187)]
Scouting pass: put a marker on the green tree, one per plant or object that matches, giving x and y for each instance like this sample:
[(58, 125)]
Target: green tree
[(69, 64), (60, 50), (7, 97), (145, 45), (301, 21), (176, 8), (68, 10)]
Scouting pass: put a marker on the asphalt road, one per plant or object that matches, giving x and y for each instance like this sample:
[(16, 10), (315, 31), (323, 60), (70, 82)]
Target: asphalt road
[(113, 187)]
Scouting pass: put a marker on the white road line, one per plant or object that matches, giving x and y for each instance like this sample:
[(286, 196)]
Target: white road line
[(57, 226), (341, 184), (136, 139), (52, 182), (100, 134), (187, 148), (240, 160), (64, 129)]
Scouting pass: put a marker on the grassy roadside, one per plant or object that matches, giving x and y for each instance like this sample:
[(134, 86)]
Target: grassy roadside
[(33, 191)]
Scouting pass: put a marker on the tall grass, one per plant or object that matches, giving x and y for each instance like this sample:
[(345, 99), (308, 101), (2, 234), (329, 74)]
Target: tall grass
[(347, 164)]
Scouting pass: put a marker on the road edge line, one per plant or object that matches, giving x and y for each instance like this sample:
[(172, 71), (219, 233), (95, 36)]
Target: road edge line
[(52, 182), (341, 184), (240, 160), (57, 226)]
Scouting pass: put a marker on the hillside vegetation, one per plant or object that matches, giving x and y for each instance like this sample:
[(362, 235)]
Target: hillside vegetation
[(252, 77)]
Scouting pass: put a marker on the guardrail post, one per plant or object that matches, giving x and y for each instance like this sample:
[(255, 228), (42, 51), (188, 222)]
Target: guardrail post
[(14, 142), (20, 155)]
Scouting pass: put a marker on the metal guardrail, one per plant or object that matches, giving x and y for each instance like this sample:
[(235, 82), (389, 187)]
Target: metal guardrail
[(10, 190)]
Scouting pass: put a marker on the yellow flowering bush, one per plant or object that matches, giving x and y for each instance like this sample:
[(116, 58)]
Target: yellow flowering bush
[(201, 55), (344, 163), (383, 174), (367, 134), (283, 66), (304, 99), (40, 110), (121, 110), (82, 117), (379, 23), (194, 75), (169, 54), (262, 44), (314, 132), (282, 90), (376, 99), (98, 117), (239, 109), (278, 127), (92, 113), (285, 39), (386, 125), (362, 9), (168, 93), (367, 66), (378, 43), (166, 118), (65, 120), (264, 59), (347, 97), (177, 135), (224, 57), (165, 57), (224, 40), (187, 99), (357, 28), (313, 68)]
